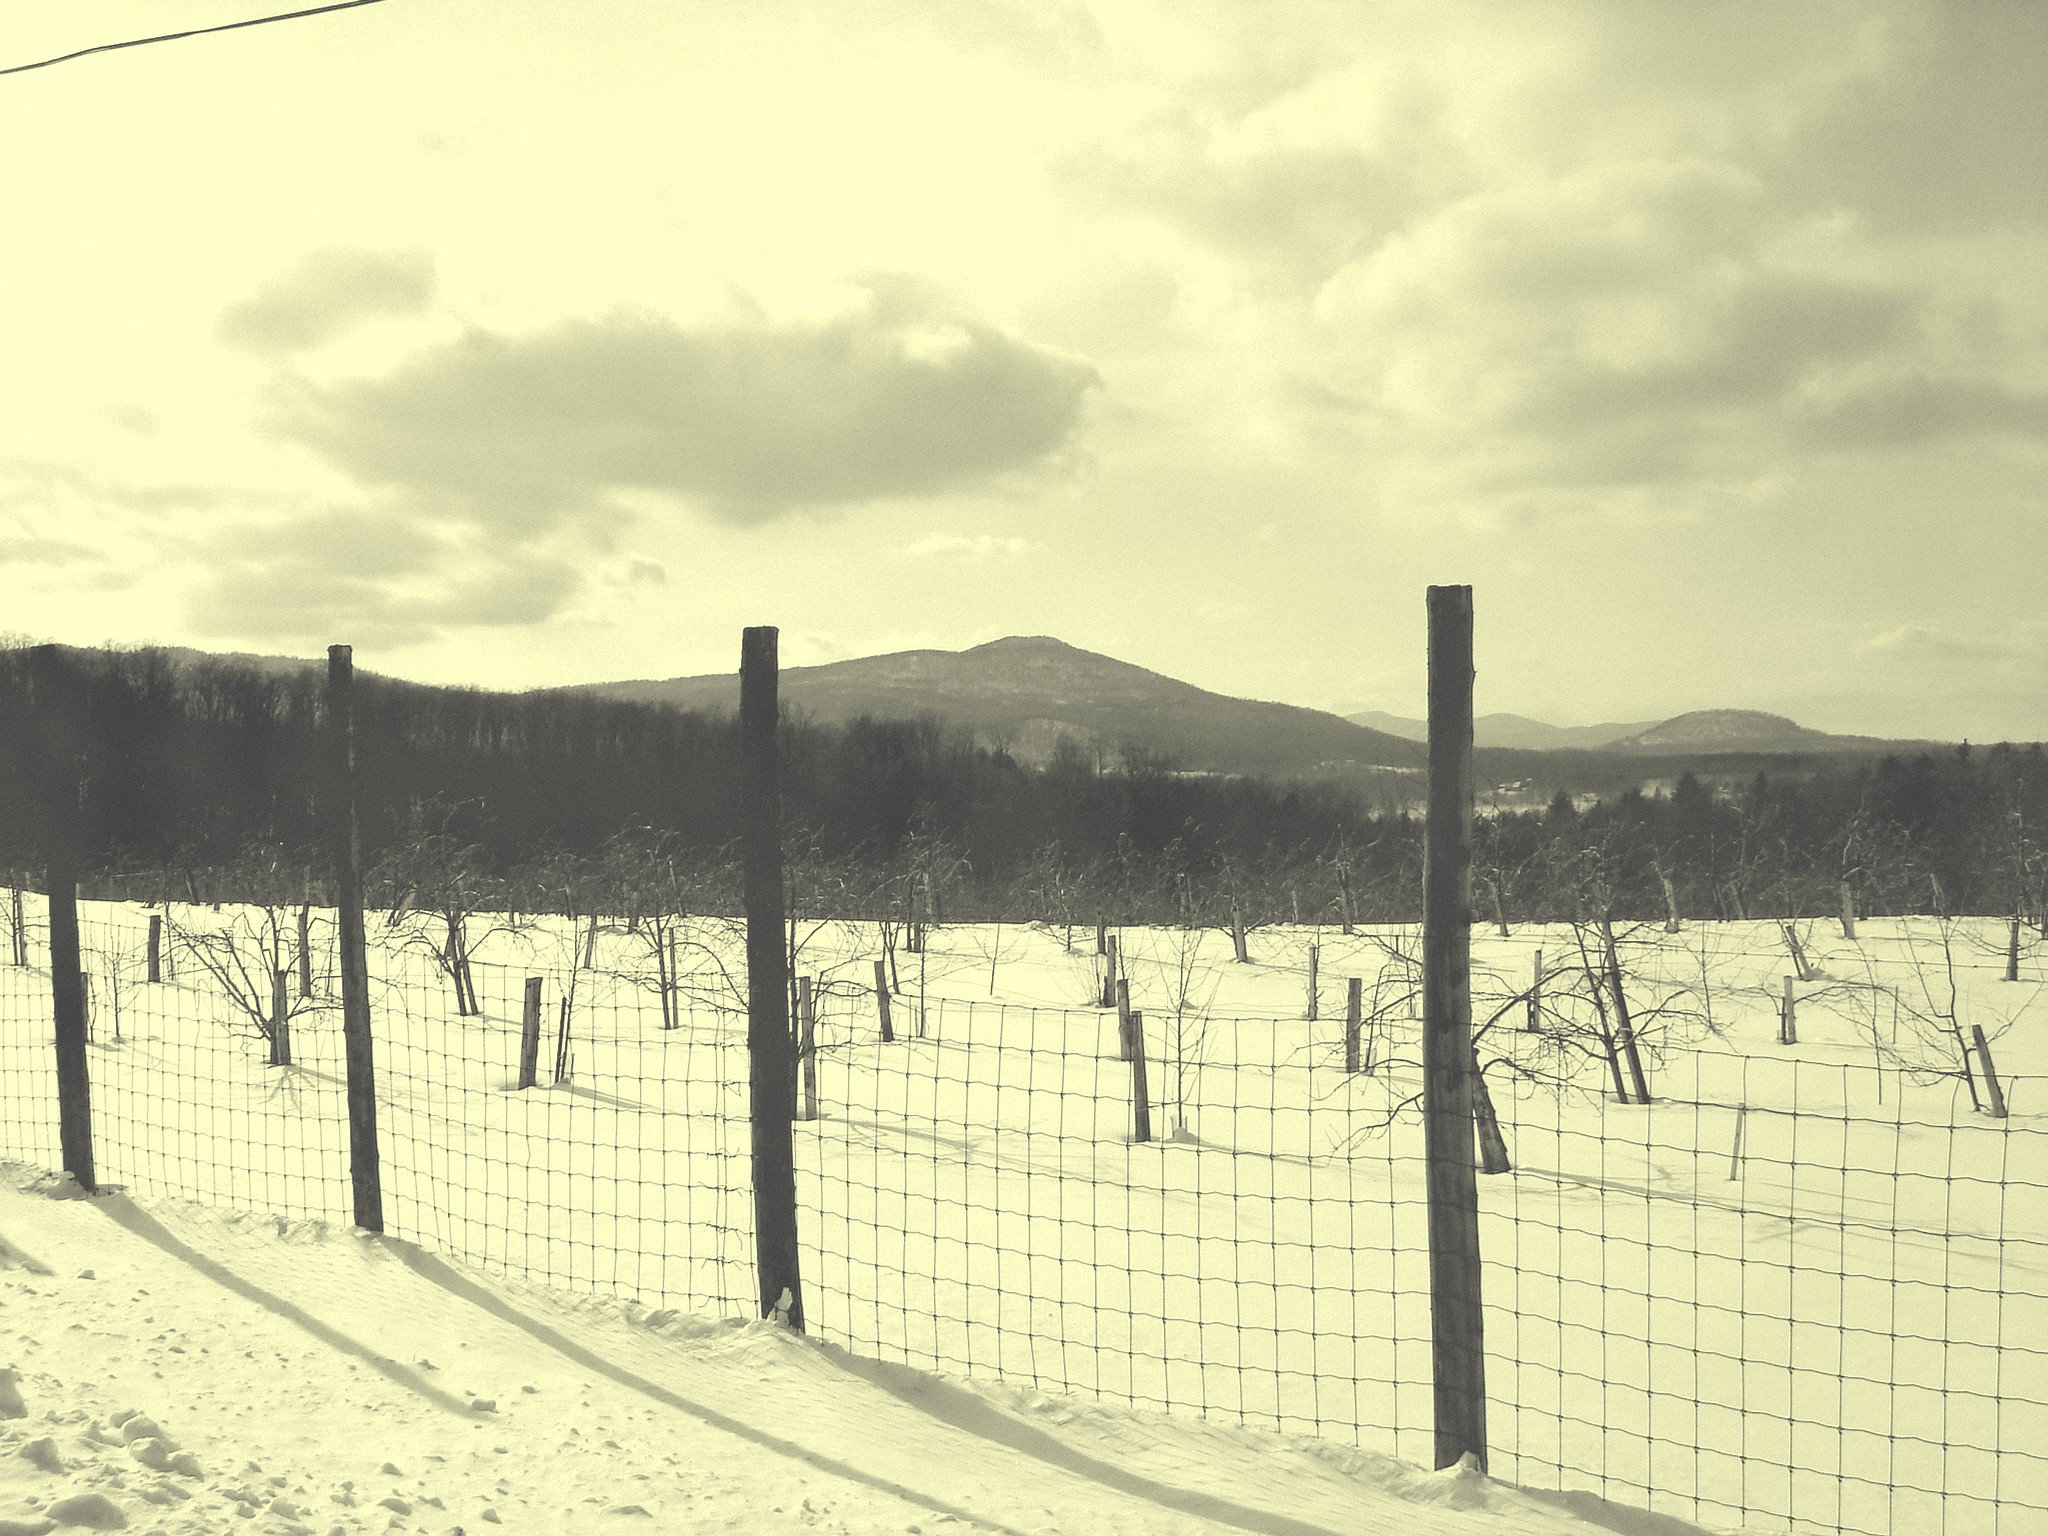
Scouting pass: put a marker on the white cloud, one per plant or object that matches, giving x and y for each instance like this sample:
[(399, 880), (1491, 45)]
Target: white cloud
[(954, 546)]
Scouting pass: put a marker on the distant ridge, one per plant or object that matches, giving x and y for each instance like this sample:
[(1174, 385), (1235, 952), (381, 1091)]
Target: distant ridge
[(1025, 692), (1511, 732)]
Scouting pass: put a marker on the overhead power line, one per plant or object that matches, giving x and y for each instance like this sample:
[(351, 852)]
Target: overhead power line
[(168, 37)]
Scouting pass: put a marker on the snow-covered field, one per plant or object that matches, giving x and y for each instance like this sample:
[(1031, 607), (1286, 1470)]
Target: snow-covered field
[(1806, 1281)]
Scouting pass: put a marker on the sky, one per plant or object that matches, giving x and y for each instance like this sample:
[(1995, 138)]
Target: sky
[(547, 343)]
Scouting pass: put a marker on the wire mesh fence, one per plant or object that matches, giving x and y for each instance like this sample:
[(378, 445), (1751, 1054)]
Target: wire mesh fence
[(1728, 1275)]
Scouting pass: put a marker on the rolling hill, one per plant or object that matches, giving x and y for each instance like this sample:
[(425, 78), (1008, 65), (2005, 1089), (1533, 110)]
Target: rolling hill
[(1510, 732), (1025, 692)]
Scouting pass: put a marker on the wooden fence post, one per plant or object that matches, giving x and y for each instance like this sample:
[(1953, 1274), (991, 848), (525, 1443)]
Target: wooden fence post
[(1458, 1352), (1534, 1020), (1109, 973), (1141, 1096), (1788, 1021), (345, 844), (306, 949), (807, 1046), (280, 1017), (1798, 951), (55, 701), (882, 1002), (768, 1039), (156, 946), (2012, 950), (1315, 955), (562, 1056), (529, 1036), (1123, 1017), (1994, 1090), (1354, 1014)]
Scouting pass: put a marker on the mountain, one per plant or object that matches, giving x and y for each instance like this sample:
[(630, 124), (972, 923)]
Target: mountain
[(1025, 692), (1514, 732), (1711, 731)]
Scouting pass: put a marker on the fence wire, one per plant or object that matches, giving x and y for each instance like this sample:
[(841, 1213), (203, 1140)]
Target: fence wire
[(1803, 1282)]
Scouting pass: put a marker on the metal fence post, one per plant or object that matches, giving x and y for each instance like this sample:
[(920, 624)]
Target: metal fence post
[(772, 1088), (1458, 1352), (365, 1176)]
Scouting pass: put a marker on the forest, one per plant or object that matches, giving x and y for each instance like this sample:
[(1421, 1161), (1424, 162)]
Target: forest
[(210, 780)]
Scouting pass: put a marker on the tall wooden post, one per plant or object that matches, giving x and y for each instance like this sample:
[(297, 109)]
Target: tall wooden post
[(768, 1043), (20, 933), (156, 946), (345, 850), (1354, 1014), (59, 789), (1123, 1017), (529, 1036), (305, 949), (1458, 1353), (1110, 968), (1534, 1019), (1315, 955)]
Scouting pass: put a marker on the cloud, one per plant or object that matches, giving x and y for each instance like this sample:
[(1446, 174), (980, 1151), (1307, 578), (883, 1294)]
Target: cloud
[(385, 577), (899, 397), (1640, 324), (325, 294), (952, 546)]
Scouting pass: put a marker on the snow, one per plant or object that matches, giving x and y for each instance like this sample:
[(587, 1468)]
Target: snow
[(306, 1377), (1839, 1318)]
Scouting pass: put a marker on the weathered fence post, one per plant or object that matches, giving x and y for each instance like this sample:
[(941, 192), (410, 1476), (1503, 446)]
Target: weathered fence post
[(2012, 950), (280, 1017), (1141, 1096), (1788, 1016), (882, 1002), (1354, 1014), (1458, 1352), (807, 1045), (1534, 1020), (156, 946), (54, 695), (1109, 973), (1994, 1090), (345, 845), (562, 1057), (768, 1041), (529, 1036), (1123, 1017), (1315, 955), (306, 949)]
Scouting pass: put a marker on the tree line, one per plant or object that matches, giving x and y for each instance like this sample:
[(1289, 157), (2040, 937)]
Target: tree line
[(209, 777)]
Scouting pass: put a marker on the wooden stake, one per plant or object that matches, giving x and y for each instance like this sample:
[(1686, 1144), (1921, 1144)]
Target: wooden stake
[(1534, 1019), (280, 1017), (1141, 1098), (529, 1035), (807, 1046), (768, 1034), (1788, 1021), (1110, 972), (1354, 1014), (1994, 1090), (882, 1002), (1315, 955), (1123, 1018), (1458, 1351), (156, 946)]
